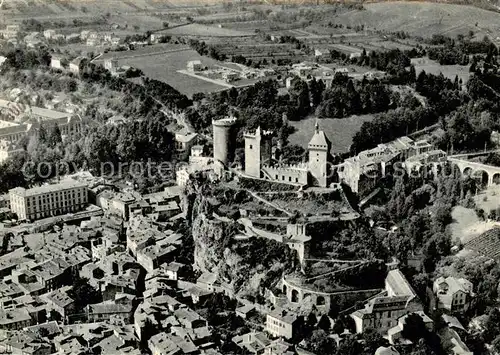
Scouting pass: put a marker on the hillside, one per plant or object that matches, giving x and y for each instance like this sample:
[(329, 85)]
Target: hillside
[(416, 18), (424, 18)]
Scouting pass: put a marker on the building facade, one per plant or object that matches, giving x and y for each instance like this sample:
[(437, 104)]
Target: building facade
[(453, 294), (48, 200)]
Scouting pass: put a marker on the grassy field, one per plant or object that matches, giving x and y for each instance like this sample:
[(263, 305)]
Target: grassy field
[(449, 71), (339, 131)]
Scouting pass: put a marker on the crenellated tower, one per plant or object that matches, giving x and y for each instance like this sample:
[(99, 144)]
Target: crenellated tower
[(319, 149), (258, 152)]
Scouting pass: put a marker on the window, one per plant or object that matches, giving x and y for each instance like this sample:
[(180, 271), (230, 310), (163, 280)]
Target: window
[(251, 146)]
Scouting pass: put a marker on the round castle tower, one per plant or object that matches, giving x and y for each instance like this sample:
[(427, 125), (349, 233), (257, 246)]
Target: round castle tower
[(223, 139)]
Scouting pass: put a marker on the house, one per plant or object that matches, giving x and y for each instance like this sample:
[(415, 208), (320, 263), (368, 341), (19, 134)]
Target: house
[(208, 281), (280, 347), (453, 294), (75, 65), (93, 42), (152, 256), (254, 342), (194, 66), (173, 270), (84, 35), (48, 34), (189, 318), (164, 343), (451, 336), (10, 32), (55, 62), (184, 141), (302, 70), (15, 319), (111, 64), (72, 37), (280, 323), (230, 76), (245, 311), (321, 52), (111, 309), (59, 301)]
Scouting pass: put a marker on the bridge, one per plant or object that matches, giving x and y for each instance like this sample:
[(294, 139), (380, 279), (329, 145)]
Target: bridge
[(487, 174)]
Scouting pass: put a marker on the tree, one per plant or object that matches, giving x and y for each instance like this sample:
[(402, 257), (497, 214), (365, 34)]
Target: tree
[(42, 134), (414, 328), (320, 343), (373, 340), (492, 325), (83, 293), (54, 136), (324, 323)]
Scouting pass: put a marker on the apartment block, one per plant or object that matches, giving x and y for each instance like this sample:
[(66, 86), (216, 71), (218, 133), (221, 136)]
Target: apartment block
[(48, 200)]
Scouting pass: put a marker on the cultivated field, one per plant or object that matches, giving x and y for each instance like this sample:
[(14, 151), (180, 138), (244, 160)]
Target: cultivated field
[(423, 19), (161, 63), (339, 130), (198, 30), (449, 71)]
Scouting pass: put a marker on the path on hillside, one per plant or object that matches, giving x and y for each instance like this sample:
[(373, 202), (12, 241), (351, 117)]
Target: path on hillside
[(273, 205)]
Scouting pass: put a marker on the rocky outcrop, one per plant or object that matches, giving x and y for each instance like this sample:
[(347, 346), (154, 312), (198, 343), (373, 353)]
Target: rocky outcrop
[(243, 266)]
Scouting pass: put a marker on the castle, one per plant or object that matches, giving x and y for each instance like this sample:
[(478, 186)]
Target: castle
[(259, 162)]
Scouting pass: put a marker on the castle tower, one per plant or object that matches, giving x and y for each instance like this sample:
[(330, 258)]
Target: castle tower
[(319, 147), (258, 152), (223, 139), (299, 241)]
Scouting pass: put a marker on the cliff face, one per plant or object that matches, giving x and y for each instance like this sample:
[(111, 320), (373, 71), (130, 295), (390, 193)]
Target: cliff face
[(211, 238), (244, 266)]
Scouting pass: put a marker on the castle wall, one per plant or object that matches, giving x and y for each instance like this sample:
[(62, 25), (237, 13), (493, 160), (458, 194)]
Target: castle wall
[(349, 173), (291, 174), (323, 301)]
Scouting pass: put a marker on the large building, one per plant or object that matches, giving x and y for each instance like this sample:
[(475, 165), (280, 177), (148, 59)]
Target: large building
[(18, 121), (283, 324), (384, 311), (48, 200), (362, 171)]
